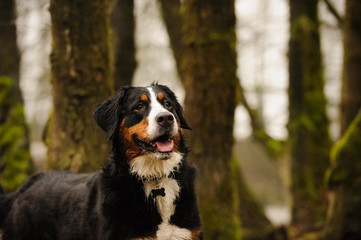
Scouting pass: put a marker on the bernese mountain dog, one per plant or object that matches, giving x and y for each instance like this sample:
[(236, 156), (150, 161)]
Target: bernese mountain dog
[(144, 191)]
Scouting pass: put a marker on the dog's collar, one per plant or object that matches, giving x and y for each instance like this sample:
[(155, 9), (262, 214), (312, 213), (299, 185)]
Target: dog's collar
[(156, 178)]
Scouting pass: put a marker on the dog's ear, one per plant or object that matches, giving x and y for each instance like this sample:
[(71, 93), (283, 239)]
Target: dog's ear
[(182, 119), (108, 114)]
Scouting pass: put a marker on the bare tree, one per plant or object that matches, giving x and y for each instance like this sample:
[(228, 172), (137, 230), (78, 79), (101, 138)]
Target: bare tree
[(81, 79), (344, 181), (123, 25), (210, 82), (351, 84), (343, 177), (308, 123)]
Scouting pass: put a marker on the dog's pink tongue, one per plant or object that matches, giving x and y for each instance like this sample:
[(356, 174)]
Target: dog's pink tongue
[(166, 146)]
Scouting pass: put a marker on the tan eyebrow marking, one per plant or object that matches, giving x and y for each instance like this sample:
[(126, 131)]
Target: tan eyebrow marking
[(160, 96), (144, 98)]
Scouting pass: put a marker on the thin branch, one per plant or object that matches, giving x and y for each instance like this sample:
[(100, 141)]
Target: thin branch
[(273, 147), (334, 12)]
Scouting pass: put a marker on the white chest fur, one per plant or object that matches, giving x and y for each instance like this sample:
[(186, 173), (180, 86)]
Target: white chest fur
[(166, 208)]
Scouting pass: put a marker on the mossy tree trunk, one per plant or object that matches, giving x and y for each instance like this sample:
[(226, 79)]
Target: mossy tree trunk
[(344, 220), (210, 83), (123, 43), (351, 79), (15, 162), (308, 123), (9, 53), (344, 175), (81, 79)]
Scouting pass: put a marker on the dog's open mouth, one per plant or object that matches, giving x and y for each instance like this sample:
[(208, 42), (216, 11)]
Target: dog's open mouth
[(162, 144)]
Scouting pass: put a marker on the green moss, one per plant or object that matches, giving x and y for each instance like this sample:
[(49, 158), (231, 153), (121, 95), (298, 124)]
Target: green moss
[(302, 25), (14, 149), (5, 89), (220, 221), (308, 126), (345, 158), (274, 147), (343, 178)]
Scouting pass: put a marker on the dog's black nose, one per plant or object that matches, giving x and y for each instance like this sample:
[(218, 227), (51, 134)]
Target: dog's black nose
[(165, 119)]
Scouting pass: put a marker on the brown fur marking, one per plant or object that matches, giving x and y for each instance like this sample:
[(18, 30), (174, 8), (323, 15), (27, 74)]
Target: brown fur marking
[(145, 238), (160, 96), (196, 233), (140, 130), (132, 149), (144, 98)]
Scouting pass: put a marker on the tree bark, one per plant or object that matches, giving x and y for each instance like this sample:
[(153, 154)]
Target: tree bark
[(81, 80), (15, 161), (308, 122), (10, 56), (343, 221), (344, 180), (351, 79), (123, 26), (210, 82)]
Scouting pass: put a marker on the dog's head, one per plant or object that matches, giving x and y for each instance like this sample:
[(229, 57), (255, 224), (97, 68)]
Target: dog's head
[(146, 122)]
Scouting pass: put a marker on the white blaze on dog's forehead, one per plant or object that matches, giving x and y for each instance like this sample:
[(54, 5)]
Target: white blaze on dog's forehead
[(155, 109), (156, 106)]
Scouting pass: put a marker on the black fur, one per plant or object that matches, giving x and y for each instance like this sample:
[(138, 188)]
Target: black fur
[(109, 204)]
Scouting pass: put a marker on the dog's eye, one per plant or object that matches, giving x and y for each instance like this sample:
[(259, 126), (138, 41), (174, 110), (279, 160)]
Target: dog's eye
[(139, 107), (167, 104)]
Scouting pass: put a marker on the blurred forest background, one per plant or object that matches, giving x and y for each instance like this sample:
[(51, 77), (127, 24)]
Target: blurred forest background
[(272, 90)]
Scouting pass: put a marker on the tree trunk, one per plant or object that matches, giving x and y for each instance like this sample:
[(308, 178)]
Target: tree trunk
[(343, 177), (351, 79), (173, 22), (123, 24), (308, 122), (344, 221), (81, 79), (210, 82), (15, 162), (10, 57)]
